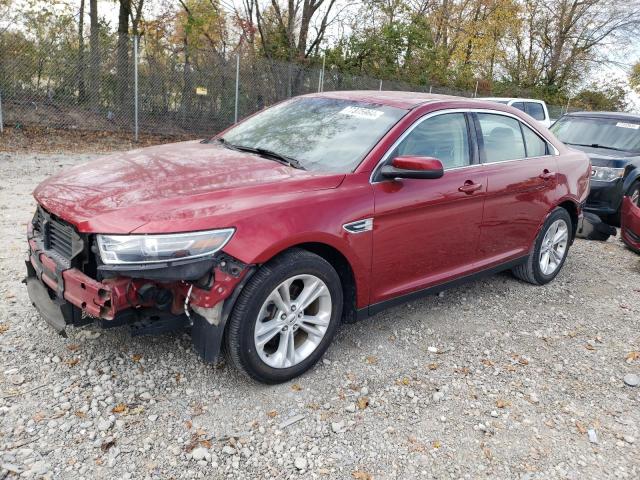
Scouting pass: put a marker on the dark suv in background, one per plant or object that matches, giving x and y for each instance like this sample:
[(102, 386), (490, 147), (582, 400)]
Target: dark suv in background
[(612, 142)]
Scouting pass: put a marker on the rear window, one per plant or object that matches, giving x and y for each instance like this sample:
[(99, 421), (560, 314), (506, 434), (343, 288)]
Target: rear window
[(535, 110), (502, 137), (518, 105)]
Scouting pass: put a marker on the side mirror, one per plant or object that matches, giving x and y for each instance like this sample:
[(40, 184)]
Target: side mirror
[(413, 167)]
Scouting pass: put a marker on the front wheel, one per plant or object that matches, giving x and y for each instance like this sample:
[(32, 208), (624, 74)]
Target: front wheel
[(549, 251), (285, 317)]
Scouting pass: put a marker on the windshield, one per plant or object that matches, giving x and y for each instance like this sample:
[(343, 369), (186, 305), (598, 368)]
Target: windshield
[(608, 133), (322, 134)]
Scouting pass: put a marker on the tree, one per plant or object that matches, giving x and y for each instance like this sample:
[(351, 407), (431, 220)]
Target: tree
[(560, 40), (607, 97), (634, 77), (94, 47), (82, 94), (291, 30), (122, 55)]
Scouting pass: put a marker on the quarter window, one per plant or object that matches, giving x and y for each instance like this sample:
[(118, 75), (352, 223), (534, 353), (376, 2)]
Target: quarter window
[(536, 147), (535, 110), (502, 137), (444, 137)]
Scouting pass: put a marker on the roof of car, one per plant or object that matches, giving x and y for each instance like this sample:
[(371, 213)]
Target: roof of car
[(405, 100), (617, 115), (508, 99)]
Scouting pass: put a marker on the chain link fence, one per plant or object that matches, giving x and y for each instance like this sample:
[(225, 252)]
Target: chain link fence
[(139, 87)]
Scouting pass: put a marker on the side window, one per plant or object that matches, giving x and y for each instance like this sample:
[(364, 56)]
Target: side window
[(444, 137), (518, 105), (502, 137), (535, 110), (536, 147)]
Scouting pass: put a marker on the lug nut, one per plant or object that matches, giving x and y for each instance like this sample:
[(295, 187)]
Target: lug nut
[(293, 308), (283, 317)]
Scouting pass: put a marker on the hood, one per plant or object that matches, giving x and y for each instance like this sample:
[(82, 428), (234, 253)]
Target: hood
[(603, 157), (121, 192)]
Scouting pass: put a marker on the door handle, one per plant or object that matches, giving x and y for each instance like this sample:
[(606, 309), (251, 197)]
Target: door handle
[(547, 175), (469, 187)]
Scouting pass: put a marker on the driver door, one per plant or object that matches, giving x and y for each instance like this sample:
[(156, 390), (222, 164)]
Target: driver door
[(426, 231)]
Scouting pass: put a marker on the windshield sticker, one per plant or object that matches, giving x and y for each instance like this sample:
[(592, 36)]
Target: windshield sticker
[(634, 126), (361, 112)]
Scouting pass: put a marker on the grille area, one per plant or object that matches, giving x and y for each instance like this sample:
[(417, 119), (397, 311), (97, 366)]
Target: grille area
[(55, 234)]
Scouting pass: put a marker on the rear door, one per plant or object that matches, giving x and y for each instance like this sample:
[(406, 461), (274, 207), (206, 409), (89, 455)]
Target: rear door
[(426, 231), (521, 180)]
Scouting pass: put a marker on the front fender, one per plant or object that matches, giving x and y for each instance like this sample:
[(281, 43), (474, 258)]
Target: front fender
[(318, 218)]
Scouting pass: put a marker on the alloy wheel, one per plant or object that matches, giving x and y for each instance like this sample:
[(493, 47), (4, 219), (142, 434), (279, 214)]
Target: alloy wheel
[(292, 321), (554, 247)]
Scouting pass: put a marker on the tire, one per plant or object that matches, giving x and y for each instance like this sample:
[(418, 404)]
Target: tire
[(260, 308), (531, 271)]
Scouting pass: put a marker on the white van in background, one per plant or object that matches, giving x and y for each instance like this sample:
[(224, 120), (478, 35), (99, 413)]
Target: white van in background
[(534, 108)]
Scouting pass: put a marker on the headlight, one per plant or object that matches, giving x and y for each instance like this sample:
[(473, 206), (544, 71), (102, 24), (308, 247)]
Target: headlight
[(606, 174), (119, 249)]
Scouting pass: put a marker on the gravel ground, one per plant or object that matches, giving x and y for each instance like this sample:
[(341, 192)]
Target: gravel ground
[(496, 379)]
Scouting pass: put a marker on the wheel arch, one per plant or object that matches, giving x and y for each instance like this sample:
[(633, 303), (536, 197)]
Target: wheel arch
[(572, 207), (632, 177), (341, 264)]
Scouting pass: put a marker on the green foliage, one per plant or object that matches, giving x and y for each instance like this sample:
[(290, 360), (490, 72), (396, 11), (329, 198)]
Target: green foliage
[(634, 77), (607, 97), (505, 47)]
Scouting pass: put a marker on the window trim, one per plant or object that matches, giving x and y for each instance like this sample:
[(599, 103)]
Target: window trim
[(478, 147)]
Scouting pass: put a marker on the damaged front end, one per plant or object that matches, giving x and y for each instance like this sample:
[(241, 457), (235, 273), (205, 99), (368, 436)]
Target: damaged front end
[(69, 283)]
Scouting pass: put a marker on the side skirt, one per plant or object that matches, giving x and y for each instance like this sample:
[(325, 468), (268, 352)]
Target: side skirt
[(378, 307)]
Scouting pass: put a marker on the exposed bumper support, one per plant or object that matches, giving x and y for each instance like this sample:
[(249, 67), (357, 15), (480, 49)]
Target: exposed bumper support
[(64, 295)]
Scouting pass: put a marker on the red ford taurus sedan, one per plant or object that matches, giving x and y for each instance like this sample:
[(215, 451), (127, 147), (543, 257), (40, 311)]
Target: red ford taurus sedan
[(320, 210)]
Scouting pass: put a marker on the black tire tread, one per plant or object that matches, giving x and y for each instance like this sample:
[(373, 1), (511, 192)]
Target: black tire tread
[(524, 271), (287, 261), (527, 270)]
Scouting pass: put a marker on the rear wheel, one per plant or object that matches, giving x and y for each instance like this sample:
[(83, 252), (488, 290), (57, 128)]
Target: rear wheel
[(549, 251), (285, 318)]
